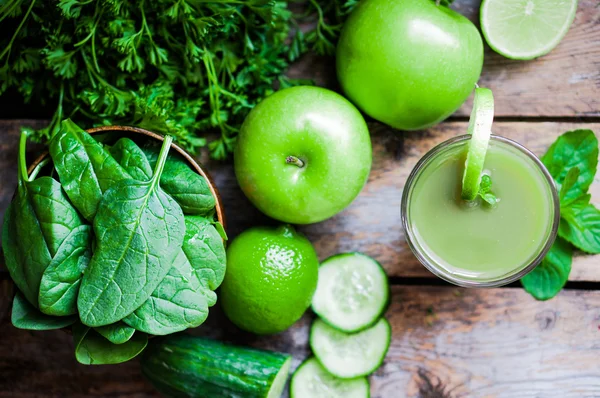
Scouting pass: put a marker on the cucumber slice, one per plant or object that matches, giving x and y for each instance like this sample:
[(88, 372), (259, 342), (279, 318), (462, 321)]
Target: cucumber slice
[(352, 292), (480, 128), (312, 380), (350, 355)]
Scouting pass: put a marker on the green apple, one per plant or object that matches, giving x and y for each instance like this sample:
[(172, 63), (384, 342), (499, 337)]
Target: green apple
[(408, 63), (303, 154)]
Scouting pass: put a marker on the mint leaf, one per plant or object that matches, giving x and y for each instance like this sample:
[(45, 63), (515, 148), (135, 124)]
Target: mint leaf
[(548, 278), (485, 190), (569, 182), (580, 225), (578, 148)]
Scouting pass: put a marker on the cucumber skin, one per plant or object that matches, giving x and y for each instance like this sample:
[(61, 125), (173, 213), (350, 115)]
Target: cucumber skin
[(372, 370), (384, 308), (292, 395), (186, 366)]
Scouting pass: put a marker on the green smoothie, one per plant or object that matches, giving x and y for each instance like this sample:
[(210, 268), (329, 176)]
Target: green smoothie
[(473, 241)]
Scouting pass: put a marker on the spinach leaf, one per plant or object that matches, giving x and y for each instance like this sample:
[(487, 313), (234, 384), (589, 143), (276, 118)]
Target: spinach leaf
[(26, 316), (179, 302), (548, 278), (139, 232), (578, 148), (203, 245), (132, 159), (93, 349), (117, 333), (85, 168), (26, 252), (580, 225), (60, 282), (56, 215), (182, 299), (187, 187)]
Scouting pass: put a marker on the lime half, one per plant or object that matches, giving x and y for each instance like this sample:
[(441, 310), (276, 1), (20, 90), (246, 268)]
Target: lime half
[(526, 29), (480, 127)]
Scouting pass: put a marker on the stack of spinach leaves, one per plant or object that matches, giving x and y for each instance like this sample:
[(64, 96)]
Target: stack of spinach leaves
[(118, 242)]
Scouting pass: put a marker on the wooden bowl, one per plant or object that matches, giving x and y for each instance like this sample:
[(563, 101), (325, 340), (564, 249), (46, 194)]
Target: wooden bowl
[(126, 130)]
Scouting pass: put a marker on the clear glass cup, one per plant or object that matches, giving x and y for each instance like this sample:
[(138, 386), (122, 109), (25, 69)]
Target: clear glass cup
[(432, 261)]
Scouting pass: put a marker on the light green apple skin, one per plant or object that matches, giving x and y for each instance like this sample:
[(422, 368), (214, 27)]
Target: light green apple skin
[(408, 63), (319, 127)]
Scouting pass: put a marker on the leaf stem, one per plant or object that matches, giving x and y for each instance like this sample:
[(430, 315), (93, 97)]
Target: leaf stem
[(10, 43), (22, 165), (162, 158), (39, 167)]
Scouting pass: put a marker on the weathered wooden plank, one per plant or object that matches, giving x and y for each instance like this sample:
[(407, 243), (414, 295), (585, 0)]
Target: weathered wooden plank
[(472, 343), (564, 83), (372, 223)]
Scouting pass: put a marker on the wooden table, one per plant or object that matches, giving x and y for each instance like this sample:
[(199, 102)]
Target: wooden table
[(447, 341)]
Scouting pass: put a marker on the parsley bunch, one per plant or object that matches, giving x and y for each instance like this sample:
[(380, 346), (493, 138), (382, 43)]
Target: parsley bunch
[(182, 67), (572, 161)]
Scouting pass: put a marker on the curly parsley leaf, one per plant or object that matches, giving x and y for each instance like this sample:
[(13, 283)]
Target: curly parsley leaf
[(116, 62)]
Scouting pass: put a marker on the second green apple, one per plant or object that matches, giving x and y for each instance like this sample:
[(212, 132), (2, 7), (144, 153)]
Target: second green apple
[(303, 155)]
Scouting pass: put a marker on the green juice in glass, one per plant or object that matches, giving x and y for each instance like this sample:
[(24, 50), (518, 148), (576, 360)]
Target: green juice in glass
[(473, 243)]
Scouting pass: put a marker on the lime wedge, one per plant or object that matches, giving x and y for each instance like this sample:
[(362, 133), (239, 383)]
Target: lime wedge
[(526, 29), (480, 127)]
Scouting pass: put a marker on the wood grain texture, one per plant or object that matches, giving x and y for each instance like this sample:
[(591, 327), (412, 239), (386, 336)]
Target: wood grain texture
[(564, 83), (468, 343), (371, 224)]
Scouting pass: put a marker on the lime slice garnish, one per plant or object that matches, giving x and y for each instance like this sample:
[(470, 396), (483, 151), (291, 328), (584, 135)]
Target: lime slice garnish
[(480, 128), (526, 29)]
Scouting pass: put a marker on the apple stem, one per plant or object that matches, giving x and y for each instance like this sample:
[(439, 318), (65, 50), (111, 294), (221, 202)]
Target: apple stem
[(295, 161)]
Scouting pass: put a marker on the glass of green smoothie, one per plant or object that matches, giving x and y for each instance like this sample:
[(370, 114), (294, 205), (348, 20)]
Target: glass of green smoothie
[(474, 243)]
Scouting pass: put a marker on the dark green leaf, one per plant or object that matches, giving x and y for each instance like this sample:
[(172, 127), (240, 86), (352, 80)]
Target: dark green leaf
[(203, 245), (26, 252), (25, 316), (60, 282), (93, 349), (177, 303), (580, 225), (548, 278), (136, 244), (132, 159), (189, 189), (117, 333), (55, 214), (182, 299), (578, 148), (85, 168)]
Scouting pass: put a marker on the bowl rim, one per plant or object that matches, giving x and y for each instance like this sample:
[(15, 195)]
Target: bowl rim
[(159, 137)]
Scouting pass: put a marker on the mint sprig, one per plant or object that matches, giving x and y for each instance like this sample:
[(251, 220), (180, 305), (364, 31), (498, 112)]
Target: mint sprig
[(485, 190), (572, 161)]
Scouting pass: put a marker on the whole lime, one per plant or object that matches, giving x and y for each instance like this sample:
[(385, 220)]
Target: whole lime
[(270, 280)]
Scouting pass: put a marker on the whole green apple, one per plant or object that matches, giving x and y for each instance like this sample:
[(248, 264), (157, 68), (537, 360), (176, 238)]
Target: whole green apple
[(408, 63), (303, 154)]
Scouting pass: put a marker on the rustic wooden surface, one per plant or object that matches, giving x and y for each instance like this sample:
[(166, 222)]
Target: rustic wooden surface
[(564, 83), (447, 342)]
